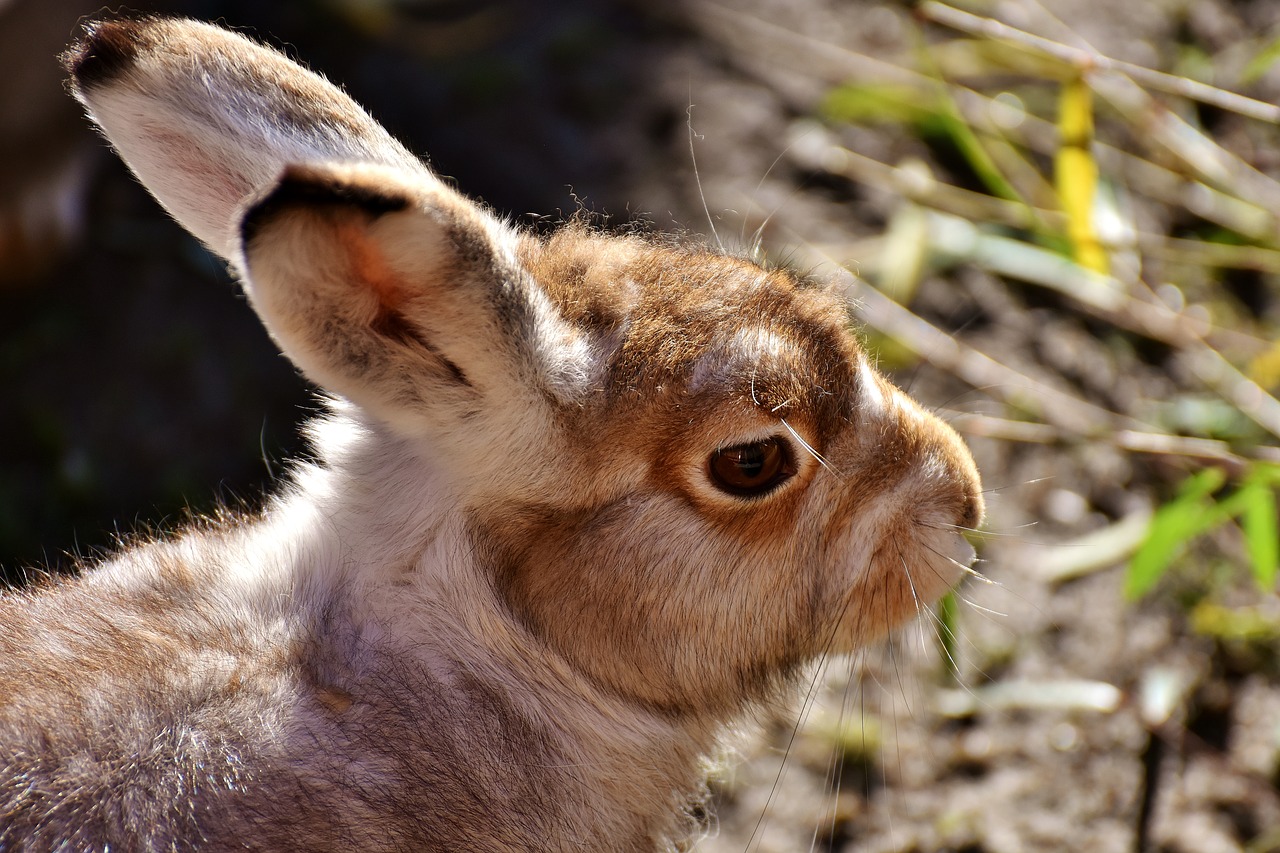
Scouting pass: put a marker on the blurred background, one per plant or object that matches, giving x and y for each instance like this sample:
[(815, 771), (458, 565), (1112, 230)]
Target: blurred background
[(1064, 218)]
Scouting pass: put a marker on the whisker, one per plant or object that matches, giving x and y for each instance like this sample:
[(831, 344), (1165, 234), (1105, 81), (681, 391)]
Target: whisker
[(834, 764), (839, 765), (967, 569), (897, 670), (1045, 479), (697, 175), (986, 610), (757, 237), (978, 576), (940, 628), (806, 707), (983, 532), (809, 448), (911, 585)]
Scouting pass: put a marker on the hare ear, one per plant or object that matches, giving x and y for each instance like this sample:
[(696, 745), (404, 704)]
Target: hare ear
[(404, 297), (207, 118)]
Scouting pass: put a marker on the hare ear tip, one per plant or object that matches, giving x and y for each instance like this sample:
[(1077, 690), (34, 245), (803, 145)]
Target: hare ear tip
[(106, 49), (306, 187)]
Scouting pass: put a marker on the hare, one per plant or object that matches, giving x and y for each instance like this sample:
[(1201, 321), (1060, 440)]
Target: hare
[(577, 503)]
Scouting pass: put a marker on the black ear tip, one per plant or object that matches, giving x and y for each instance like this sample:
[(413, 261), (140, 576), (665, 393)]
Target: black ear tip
[(316, 189), (105, 50)]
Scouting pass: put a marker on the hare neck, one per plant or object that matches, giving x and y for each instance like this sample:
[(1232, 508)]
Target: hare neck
[(412, 621)]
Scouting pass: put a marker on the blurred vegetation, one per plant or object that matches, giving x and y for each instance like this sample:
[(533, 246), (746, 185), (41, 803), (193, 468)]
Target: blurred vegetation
[(1128, 199), (1054, 155)]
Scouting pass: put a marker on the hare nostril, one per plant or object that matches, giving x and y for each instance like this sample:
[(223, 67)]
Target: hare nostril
[(972, 511)]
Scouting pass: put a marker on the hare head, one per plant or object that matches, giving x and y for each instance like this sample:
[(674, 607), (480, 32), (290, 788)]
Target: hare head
[(665, 470)]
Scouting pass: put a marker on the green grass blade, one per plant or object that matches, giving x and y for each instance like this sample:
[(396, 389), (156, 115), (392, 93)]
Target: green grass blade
[(1261, 534), (1172, 527), (1261, 63), (948, 638), (974, 152)]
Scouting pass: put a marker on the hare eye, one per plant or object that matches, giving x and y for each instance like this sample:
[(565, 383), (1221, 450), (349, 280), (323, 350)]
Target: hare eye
[(751, 470)]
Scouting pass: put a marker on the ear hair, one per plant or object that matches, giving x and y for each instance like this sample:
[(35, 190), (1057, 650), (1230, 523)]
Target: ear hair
[(300, 186), (402, 295), (380, 282), (207, 118)]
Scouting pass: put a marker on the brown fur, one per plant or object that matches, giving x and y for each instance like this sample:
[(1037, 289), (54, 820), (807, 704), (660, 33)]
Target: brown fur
[(511, 604)]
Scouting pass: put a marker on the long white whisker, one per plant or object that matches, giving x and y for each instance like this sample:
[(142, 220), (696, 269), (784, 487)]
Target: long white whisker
[(915, 596), (697, 176), (757, 237), (806, 706), (968, 570), (942, 628), (987, 610), (809, 448), (983, 532)]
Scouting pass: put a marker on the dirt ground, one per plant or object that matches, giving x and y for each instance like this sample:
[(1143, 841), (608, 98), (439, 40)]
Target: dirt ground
[(140, 384)]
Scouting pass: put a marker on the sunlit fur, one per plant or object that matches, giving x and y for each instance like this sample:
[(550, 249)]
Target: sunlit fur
[(506, 607)]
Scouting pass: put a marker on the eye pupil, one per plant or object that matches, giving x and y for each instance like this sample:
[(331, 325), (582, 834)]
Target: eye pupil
[(750, 470)]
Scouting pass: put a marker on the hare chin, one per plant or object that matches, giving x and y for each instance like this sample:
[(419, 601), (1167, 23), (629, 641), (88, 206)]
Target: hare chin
[(951, 558)]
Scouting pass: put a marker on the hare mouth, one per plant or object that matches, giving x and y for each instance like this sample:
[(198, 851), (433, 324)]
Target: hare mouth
[(947, 558), (928, 565), (962, 552)]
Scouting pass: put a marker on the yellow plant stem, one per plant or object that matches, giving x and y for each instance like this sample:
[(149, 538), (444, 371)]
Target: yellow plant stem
[(1076, 173)]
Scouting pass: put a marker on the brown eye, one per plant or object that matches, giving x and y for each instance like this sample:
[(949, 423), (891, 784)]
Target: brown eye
[(751, 470)]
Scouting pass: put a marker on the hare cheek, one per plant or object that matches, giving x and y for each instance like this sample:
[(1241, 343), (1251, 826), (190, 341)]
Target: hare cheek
[(884, 571)]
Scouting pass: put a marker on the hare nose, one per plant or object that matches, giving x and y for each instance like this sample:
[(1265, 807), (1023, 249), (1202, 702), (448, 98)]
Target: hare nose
[(971, 515)]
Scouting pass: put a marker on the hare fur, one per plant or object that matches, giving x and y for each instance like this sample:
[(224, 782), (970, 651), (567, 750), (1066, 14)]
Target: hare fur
[(577, 503)]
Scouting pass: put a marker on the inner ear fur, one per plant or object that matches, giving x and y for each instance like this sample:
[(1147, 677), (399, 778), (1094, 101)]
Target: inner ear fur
[(359, 275), (398, 293)]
